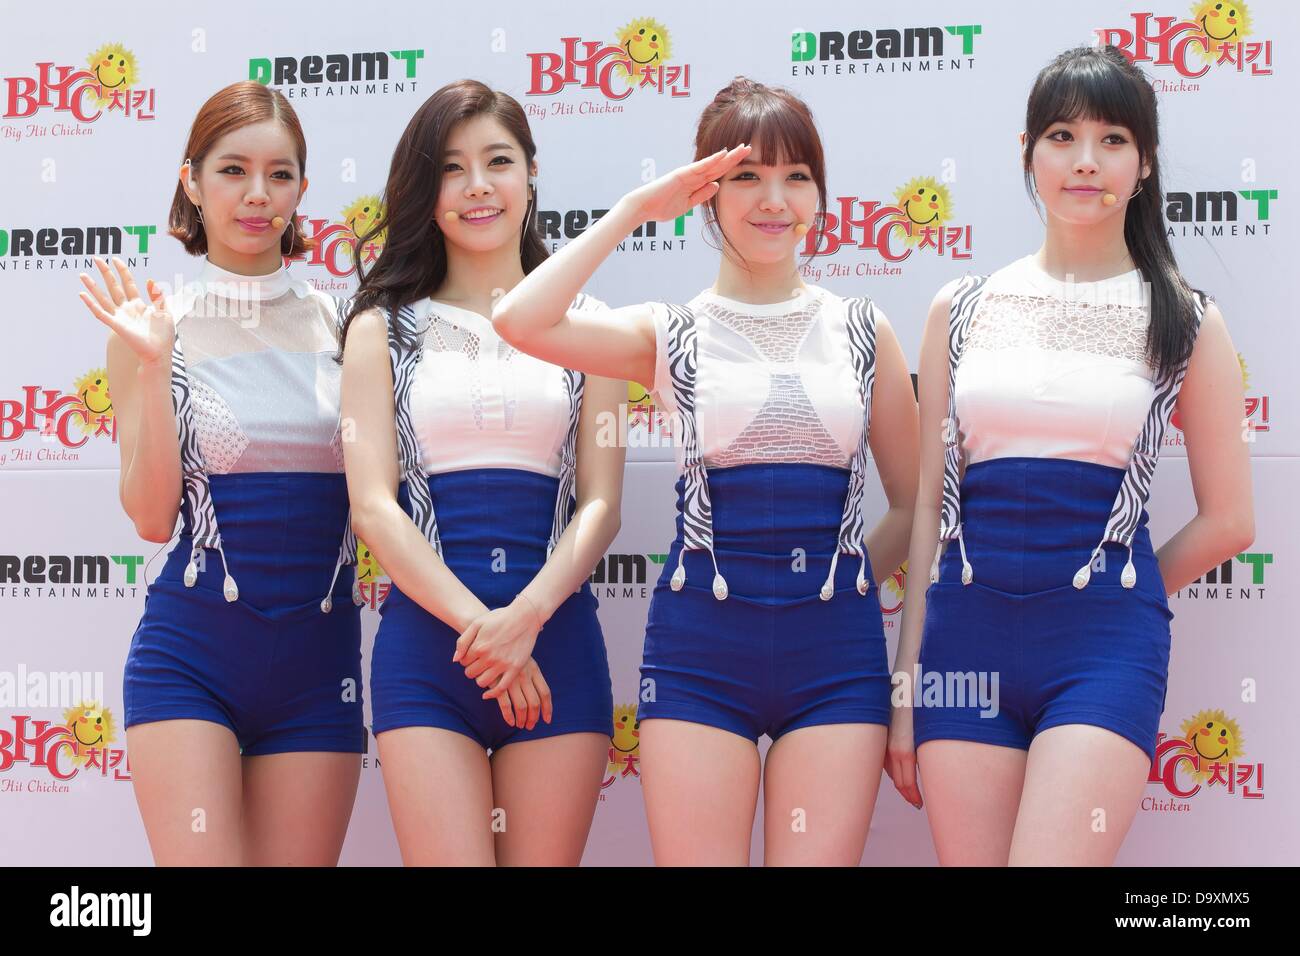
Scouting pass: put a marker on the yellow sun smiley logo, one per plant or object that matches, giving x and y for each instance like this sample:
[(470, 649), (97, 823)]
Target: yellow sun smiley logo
[(895, 583), (360, 216), (92, 727), (368, 567), (926, 204), (92, 390), (1215, 737), (113, 67), (627, 737), (645, 40), (1220, 23)]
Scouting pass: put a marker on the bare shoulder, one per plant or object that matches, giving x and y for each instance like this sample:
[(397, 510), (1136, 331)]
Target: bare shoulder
[(1213, 317), (367, 337), (936, 320), (369, 323), (942, 301)]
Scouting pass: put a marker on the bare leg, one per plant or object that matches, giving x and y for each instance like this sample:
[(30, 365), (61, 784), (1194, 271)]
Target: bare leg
[(819, 791), (297, 807), (701, 789), (972, 794), (548, 790), (439, 787), (186, 775), (1071, 815)]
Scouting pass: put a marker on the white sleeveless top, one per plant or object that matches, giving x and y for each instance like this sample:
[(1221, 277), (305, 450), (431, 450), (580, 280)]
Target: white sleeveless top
[(775, 382), (478, 402), (1055, 370), (262, 377)]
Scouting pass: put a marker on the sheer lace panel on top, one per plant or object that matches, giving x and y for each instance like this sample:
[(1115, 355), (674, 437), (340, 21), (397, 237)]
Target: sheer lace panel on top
[(447, 335), (786, 427), (1012, 320)]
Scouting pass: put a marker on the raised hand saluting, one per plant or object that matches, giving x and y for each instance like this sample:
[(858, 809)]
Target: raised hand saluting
[(675, 193)]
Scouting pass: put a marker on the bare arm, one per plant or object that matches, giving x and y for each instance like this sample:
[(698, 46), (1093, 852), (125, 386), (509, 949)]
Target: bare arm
[(598, 514), (1210, 408), (139, 366), (370, 461), (932, 381), (535, 316), (893, 442), (497, 645)]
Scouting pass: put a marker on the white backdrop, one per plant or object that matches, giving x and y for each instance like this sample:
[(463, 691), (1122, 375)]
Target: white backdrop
[(942, 101)]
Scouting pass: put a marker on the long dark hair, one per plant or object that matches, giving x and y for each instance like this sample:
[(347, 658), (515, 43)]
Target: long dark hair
[(413, 263), (1101, 83), (777, 122)]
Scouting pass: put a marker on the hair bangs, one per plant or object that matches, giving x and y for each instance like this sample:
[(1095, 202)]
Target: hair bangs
[(1087, 88)]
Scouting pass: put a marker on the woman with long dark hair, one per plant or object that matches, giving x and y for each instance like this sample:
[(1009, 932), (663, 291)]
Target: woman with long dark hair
[(243, 682), (1045, 392), (776, 389), (477, 480)]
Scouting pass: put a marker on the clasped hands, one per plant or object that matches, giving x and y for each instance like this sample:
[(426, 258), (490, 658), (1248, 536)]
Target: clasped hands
[(496, 652)]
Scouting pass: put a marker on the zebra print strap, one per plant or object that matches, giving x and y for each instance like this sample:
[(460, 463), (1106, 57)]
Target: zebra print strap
[(1126, 514), (964, 300), (862, 350), (861, 327), (565, 497), (405, 359), (342, 306), (697, 513), (194, 473), (697, 508)]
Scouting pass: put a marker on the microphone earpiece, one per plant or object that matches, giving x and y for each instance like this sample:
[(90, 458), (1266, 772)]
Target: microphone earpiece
[(801, 229), (451, 215), (1109, 199)]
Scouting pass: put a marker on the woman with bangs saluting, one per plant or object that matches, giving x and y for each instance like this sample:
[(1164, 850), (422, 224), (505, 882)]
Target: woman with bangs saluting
[(477, 481), (1045, 391), (756, 625)]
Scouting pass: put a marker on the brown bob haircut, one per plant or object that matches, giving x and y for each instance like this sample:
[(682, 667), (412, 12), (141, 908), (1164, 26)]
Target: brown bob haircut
[(239, 104), (778, 124)]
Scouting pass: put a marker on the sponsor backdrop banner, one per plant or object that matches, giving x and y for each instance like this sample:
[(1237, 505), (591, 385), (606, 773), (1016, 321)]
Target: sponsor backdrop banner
[(917, 109)]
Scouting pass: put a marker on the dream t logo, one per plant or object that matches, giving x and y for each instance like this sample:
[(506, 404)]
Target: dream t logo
[(884, 44), (73, 241), (331, 68), (1217, 205), (102, 909)]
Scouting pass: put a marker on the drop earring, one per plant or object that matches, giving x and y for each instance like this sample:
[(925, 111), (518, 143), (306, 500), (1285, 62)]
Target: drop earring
[(528, 211), (189, 175)]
